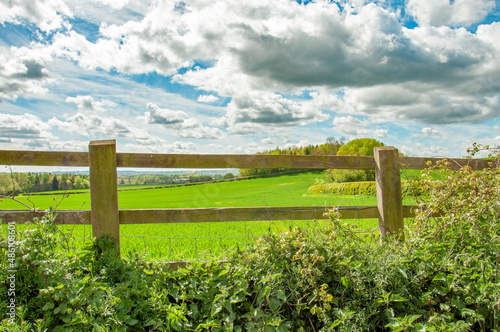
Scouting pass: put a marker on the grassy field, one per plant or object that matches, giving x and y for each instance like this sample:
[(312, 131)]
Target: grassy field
[(185, 241)]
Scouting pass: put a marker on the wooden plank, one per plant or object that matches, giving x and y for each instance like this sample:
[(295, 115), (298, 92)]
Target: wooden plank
[(389, 198), (81, 159), (104, 190), (245, 214), (44, 158), (455, 163), (242, 161), (63, 217), (79, 217)]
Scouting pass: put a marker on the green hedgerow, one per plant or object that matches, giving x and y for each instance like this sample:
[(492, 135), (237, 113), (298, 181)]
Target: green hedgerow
[(444, 277)]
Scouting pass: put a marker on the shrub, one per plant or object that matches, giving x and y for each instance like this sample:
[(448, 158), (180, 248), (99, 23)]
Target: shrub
[(444, 277), (408, 188)]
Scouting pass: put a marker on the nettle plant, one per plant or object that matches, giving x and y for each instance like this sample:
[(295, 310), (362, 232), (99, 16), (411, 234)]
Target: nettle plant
[(458, 219), (464, 200)]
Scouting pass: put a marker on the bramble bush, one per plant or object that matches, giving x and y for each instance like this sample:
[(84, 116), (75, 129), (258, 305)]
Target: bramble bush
[(444, 277)]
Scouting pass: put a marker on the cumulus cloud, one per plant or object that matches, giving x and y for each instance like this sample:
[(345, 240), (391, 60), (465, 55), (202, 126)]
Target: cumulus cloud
[(180, 122), (428, 131), (446, 12), (354, 127), (250, 112), (48, 15), (207, 99), (22, 73), (354, 58), (100, 126), (26, 127), (425, 150), (87, 104), (162, 147), (253, 53)]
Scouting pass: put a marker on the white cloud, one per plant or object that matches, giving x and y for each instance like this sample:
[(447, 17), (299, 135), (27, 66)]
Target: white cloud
[(23, 73), (354, 127), (89, 105), (104, 127), (180, 122), (25, 126), (24, 132), (428, 131), (207, 99), (71, 145), (425, 150), (163, 147), (252, 111), (363, 50), (48, 15), (156, 115), (268, 141), (445, 12), (354, 59), (115, 4)]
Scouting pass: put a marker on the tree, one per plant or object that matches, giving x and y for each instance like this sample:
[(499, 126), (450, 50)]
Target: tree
[(356, 147), (359, 147), (55, 183)]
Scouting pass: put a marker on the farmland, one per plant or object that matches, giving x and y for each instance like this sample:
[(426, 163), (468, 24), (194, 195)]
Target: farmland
[(184, 241)]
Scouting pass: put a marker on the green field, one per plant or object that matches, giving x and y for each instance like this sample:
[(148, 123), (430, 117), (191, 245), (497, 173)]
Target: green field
[(184, 241)]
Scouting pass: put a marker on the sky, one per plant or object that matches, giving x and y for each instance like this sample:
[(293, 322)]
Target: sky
[(232, 76)]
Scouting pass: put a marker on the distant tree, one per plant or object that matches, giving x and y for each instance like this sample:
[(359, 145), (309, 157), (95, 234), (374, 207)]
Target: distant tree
[(229, 176), (356, 147), (359, 147), (55, 183)]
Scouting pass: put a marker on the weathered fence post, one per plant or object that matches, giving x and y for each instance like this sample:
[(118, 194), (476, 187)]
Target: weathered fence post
[(389, 198), (104, 190)]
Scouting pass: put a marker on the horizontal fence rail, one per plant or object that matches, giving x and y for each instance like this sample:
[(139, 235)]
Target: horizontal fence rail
[(105, 217), (146, 160), (164, 216)]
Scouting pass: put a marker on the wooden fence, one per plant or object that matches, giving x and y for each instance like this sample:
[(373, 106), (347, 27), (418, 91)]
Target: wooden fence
[(106, 218)]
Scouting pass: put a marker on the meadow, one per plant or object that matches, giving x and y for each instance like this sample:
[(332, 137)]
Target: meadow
[(194, 240)]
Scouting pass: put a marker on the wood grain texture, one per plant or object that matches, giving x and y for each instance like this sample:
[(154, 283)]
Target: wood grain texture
[(242, 161), (63, 217), (129, 217), (148, 160), (389, 198), (44, 158), (104, 190)]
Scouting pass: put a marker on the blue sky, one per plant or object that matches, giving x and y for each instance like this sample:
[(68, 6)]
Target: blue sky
[(234, 76)]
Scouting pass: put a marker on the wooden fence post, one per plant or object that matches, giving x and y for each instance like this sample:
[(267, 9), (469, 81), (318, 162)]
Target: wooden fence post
[(389, 198), (104, 190)]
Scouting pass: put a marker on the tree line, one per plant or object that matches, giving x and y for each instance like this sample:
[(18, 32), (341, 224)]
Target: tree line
[(15, 183), (333, 146)]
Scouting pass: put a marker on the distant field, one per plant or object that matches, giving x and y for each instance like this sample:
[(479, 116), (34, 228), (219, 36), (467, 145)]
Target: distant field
[(184, 241), (287, 190)]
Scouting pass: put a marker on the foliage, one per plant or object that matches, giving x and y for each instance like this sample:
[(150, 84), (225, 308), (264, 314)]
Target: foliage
[(356, 147), (444, 277), (331, 147), (359, 147), (359, 188), (15, 183)]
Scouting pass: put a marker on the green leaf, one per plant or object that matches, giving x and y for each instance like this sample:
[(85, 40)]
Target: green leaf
[(397, 298), (131, 321), (274, 303), (281, 295), (48, 306), (345, 281)]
